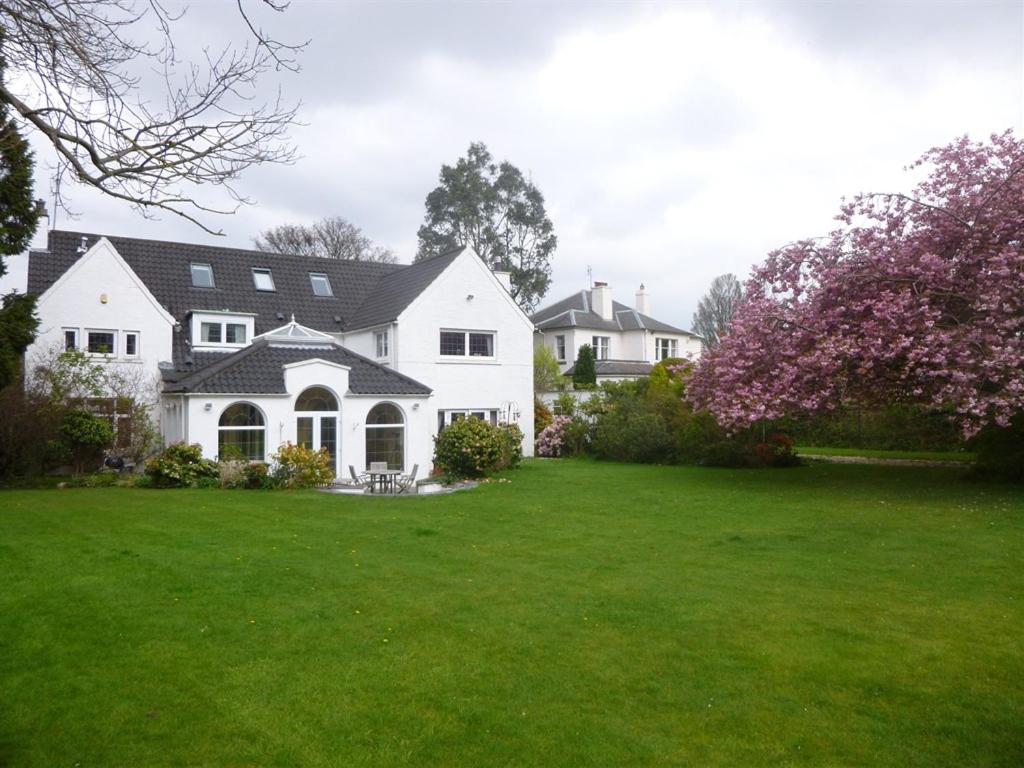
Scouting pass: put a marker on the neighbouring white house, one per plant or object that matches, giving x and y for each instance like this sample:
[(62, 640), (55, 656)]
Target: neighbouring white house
[(253, 349), (627, 341)]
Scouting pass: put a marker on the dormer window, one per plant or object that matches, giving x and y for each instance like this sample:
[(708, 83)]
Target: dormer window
[(263, 280), (202, 275), (321, 284), (221, 330)]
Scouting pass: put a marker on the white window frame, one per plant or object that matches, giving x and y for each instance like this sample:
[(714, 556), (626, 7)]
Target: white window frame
[(671, 351), (466, 356), (223, 319), (192, 274), (447, 416), (258, 272), (599, 348), (138, 344), (560, 348), (382, 344), (64, 338), (313, 277), (113, 346)]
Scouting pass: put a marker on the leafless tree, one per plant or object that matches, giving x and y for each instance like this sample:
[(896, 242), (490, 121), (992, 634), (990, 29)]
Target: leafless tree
[(714, 312), (78, 74), (330, 238)]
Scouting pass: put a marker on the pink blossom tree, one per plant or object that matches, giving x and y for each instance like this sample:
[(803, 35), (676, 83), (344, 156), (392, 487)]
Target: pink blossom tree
[(914, 298)]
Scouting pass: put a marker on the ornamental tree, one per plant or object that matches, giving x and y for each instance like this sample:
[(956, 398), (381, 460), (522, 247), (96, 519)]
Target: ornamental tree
[(914, 298)]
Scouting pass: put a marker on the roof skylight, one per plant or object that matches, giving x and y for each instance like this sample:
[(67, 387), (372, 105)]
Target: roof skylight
[(263, 279), (321, 284), (202, 275)]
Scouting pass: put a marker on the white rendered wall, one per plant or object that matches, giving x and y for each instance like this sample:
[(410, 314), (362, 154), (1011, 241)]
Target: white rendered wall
[(465, 383), (280, 418), (622, 345), (100, 292), (364, 342)]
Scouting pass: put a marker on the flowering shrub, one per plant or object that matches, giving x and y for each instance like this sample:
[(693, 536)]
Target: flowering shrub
[(296, 466), (472, 447), (181, 466), (551, 438)]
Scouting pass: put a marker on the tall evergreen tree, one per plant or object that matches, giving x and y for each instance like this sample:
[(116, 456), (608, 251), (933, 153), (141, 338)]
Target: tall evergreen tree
[(19, 215), (584, 372), (500, 214)]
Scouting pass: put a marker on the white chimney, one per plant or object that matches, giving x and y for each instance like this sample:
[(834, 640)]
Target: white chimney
[(601, 298), (505, 278), (643, 301), (40, 236)]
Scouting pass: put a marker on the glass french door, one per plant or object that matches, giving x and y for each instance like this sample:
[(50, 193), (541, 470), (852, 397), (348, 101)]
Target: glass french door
[(318, 432)]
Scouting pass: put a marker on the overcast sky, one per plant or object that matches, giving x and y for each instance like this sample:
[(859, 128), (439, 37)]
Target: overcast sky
[(672, 142)]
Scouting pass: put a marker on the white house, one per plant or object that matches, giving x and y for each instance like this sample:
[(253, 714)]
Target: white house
[(627, 341), (254, 349)]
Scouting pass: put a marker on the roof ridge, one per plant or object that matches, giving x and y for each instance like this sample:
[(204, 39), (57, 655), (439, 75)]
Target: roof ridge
[(449, 252), (227, 249)]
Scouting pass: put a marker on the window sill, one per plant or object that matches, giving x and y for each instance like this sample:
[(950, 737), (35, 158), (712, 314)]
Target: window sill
[(453, 360), (112, 358), (210, 347)]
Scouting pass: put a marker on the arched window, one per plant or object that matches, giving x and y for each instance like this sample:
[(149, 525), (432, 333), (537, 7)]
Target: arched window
[(385, 436), (242, 433), (316, 399)]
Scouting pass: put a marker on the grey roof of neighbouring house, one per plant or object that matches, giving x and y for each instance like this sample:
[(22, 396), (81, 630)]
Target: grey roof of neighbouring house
[(365, 293), (258, 369), (576, 311), (618, 368)]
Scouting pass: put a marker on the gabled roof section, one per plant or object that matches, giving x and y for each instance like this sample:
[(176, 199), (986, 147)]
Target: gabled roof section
[(576, 311), (259, 370), (398, 290)]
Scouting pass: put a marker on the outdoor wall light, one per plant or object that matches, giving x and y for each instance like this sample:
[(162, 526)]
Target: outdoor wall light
[(470, 297), (208, 407)]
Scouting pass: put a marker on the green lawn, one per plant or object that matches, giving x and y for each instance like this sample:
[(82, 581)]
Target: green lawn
[(874, 453), (585, 614)]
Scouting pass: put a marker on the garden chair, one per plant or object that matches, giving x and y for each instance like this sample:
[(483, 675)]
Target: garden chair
[(356, 481), (405, 482)]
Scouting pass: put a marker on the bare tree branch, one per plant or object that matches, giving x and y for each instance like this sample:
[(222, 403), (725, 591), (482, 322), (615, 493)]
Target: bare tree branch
[(83, 95)]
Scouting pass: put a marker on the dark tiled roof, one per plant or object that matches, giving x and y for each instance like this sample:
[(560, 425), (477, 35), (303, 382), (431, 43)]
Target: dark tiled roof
[(398, 290), (259, 370), (164, 268), (576, 311), (618, 368), (365, 293)]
